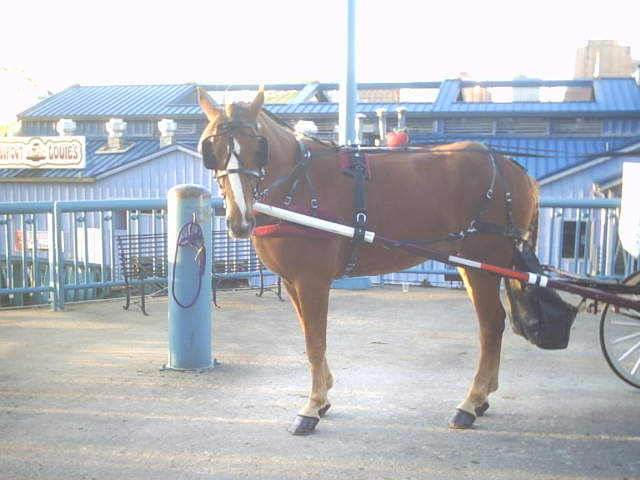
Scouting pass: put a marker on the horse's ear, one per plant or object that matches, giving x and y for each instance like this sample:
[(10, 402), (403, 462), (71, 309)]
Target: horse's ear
[(257, 103), (207, 106)]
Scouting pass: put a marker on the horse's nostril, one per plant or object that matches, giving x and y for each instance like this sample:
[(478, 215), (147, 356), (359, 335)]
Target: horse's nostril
[(242, 229)]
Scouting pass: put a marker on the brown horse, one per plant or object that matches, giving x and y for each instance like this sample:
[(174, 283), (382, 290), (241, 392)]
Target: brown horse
[(423, 195)]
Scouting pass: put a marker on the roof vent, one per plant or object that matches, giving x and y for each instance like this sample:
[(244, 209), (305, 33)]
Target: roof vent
[(381, 113), (305, 128), (14, 129), (66, 127), (402, 118), (116, 127), (168, 130)]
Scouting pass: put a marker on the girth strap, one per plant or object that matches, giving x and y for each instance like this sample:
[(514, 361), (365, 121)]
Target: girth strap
[(478, 225)]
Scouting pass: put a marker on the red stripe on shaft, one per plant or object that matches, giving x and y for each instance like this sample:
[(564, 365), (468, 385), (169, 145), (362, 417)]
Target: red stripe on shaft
[(506, 272)]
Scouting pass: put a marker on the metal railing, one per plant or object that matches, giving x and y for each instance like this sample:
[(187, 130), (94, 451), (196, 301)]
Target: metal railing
[(56, 252), (579, 236)]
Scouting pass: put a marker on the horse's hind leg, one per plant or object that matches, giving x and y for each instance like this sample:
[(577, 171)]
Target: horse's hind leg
[(484, 291), (311, 302)]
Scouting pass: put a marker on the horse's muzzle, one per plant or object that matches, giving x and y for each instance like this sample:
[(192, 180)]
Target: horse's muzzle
[(243, 228)]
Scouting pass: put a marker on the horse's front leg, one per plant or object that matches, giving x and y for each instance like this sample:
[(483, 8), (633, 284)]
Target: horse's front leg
[(311, 302)]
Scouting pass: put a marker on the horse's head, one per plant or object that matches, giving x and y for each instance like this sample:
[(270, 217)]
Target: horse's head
[(234, 149)]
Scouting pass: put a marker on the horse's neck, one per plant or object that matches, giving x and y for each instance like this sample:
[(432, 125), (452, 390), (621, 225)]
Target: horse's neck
[(284, 151)]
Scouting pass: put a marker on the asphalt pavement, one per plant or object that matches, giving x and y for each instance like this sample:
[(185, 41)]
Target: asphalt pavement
[(83, 396)]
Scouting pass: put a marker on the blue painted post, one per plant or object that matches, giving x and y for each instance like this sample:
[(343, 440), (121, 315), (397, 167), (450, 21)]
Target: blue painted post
[(190, 313)]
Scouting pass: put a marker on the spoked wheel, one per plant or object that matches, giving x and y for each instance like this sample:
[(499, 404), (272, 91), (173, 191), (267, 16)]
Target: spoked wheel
[(620, 337)]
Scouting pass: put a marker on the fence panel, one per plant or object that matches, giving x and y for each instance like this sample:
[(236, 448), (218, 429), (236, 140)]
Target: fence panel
[(54, 252)]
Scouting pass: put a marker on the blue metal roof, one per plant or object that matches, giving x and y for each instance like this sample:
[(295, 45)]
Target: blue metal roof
[(542, 157), (114, 101), (611, 96), (326, 108), (619, 96), (616, 98)]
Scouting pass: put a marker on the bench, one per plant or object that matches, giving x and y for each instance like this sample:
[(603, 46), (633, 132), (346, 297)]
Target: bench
[(143, 263), (234, 261)]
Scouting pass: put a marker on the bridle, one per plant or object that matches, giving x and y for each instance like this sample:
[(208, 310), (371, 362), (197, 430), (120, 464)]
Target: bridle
[(229, 131)]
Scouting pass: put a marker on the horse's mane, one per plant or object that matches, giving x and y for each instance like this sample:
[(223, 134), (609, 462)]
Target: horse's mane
[(289, 128)]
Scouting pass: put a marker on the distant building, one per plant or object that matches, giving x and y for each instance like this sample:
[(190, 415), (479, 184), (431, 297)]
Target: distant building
[(526, 94), (137, 133), (604, 58), (142, 140)]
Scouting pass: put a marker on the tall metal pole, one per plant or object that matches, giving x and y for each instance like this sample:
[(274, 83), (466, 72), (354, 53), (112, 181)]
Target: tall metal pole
[(348, 89)]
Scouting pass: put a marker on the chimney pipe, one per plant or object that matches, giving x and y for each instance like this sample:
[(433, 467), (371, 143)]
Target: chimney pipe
[(116, 128), (66, 127), (382, 124), (359, 125), (167, 129), (402, 118)]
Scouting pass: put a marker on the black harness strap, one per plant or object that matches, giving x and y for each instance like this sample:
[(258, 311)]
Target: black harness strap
[(303, 163), (357, 169), (477, 225), (508, 230)]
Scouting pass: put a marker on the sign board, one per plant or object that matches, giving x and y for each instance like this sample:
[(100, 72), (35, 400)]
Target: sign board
[(42, 241), (42, 152), (629, 227)]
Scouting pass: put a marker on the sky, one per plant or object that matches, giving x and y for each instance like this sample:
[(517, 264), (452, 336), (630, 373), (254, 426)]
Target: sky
[(51, 45)]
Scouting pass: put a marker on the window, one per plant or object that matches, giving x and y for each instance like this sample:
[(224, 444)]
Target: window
[(186, 127), (569, 239), (468, 126), (419, 126), (576, 126), (139, 128), (522, 126)]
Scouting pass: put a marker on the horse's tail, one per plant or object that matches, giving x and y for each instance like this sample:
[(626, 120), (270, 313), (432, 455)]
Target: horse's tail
[(533, 228), (534, 223), (531, 236)]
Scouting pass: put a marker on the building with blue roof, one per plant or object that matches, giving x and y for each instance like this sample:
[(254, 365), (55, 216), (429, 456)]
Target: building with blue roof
[(570, 135)]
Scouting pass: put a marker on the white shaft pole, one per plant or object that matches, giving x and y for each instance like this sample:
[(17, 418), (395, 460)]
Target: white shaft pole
[(312, 222)]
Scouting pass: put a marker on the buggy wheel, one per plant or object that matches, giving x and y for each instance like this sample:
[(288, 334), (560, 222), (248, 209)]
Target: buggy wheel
[(620, 337)]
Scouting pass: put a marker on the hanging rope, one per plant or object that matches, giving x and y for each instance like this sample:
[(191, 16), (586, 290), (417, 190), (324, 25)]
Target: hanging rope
[(190, 235)]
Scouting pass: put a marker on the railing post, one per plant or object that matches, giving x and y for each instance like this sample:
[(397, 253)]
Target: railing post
[(56, 259), (189, 310)]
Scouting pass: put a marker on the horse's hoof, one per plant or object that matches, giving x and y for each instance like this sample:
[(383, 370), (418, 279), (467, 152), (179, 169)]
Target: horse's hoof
[(324, 409), (462, 420), (303, 425), (481, 409)]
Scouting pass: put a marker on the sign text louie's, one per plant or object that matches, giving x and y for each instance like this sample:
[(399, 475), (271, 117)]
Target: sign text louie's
[(42, 152)]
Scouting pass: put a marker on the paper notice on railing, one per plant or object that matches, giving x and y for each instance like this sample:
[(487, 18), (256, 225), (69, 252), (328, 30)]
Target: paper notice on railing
[(629, 227)]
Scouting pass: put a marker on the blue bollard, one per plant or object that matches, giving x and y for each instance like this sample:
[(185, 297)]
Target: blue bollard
[(190, 312)]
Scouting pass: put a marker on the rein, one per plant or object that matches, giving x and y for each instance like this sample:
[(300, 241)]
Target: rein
[(190, 235)]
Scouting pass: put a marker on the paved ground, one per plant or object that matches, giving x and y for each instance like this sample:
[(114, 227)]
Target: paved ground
[(82, 397)]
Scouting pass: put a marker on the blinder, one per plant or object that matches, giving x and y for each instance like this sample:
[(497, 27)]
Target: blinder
[(208, 155), (262, 154), (212, 162)]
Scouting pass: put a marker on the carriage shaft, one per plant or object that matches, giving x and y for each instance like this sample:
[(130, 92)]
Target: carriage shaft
[(444, 257)]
